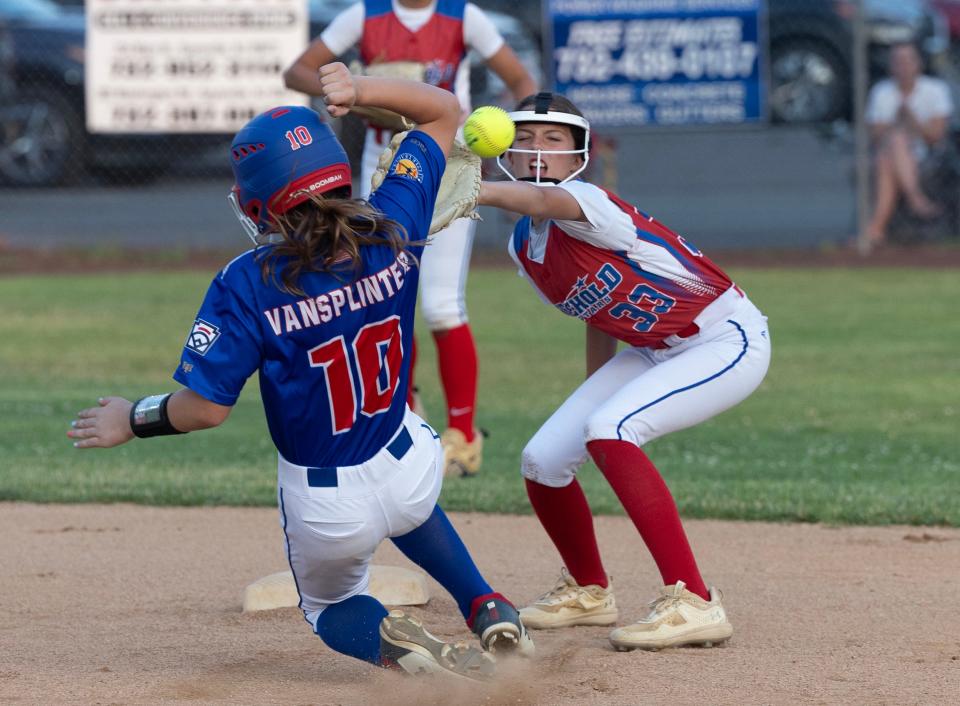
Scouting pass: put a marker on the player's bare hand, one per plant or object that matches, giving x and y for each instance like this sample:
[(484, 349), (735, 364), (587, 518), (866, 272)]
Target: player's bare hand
[(338, 88), (103, 426)]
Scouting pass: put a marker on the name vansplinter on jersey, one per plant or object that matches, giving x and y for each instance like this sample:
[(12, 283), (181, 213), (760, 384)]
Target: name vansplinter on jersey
[(364, 292)]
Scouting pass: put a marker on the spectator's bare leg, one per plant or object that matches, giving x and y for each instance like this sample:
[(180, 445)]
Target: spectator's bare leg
[(908, 175), (885, 182)]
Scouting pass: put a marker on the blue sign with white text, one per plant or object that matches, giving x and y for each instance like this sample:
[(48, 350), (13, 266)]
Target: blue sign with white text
[(660, 62)]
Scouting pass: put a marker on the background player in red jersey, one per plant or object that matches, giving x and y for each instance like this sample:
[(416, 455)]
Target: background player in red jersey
[(437, 34), (696, 346), (323, 309)]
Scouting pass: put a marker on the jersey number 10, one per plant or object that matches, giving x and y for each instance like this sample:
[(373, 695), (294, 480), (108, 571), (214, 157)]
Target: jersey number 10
[(374, 356)]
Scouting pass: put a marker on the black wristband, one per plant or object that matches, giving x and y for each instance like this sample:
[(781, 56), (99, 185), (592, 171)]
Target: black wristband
[(148, 417)]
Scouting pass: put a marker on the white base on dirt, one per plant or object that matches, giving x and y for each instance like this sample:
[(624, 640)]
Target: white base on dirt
[(391, 585)]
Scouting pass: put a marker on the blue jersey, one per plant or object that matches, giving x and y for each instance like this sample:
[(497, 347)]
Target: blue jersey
[(334, 364)]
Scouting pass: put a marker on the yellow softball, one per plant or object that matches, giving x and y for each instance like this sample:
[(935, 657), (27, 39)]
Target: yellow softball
[(489, 131)]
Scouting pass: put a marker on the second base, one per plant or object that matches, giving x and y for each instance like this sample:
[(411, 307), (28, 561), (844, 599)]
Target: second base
[(391, 585)]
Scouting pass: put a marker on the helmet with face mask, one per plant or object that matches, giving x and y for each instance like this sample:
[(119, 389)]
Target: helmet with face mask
[(541, 113)]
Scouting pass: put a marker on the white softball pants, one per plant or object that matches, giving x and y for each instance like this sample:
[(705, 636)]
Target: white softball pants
[(642, 394), (331, 533), (446, 260)]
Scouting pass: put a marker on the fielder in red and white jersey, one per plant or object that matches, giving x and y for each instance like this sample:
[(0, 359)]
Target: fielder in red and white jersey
[(696, 346), (438, 34)]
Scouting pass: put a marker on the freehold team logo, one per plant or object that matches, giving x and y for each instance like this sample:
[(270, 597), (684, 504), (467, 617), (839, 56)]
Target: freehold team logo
[(588, 296), (202, 336), (409, 166)]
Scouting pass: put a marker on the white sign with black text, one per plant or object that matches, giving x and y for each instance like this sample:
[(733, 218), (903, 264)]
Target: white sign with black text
[(188, 66)]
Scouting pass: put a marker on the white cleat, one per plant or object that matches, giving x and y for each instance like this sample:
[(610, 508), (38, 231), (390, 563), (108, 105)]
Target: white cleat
[(676, 618), (568, 604)]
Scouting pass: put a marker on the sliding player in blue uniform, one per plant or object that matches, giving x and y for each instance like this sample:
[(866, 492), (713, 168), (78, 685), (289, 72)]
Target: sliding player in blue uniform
[(323, 308)]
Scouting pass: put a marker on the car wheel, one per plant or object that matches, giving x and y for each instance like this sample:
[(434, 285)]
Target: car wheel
[(809, 82), (42, 139)]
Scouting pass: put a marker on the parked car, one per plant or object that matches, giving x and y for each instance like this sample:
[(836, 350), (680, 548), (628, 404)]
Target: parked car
[(43, 135), (811, 51)]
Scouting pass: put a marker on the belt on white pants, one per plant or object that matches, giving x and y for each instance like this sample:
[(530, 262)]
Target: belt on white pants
[(371, 473)]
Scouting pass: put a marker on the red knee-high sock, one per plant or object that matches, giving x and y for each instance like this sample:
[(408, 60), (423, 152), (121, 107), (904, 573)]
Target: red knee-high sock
[(565, 515), (457, 358), (413, 365), (650, 505)]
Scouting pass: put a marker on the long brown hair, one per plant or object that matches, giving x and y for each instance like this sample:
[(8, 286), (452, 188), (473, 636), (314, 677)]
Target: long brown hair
[(325, 234)]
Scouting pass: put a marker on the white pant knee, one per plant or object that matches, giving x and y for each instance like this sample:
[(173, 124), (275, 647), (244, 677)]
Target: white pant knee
[(536, 466), (442, 311), (599, 426)]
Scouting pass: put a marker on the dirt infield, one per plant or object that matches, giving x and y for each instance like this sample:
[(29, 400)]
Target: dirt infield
[(136, 605)]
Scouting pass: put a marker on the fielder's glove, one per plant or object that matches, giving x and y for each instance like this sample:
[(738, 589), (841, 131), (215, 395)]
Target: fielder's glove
[(381, 117), (459, 188)]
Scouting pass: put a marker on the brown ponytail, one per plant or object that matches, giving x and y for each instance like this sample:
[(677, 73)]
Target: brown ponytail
[(325, 231)]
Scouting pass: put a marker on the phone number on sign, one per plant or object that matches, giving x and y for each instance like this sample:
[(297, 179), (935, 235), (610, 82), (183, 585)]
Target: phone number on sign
[(694, 62), (133, 117), (206, 68)]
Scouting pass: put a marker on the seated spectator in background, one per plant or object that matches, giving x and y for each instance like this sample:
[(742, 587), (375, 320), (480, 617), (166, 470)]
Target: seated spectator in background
[(908, 115)]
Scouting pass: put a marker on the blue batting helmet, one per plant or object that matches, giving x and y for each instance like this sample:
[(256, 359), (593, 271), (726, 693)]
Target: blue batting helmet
[(279, 159)]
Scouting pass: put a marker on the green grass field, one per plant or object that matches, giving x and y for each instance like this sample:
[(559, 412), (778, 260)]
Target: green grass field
[(858, 420)]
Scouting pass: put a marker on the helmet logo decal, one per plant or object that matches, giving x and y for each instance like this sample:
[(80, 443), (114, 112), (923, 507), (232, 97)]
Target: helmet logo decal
[(408, 166), (319, 182)]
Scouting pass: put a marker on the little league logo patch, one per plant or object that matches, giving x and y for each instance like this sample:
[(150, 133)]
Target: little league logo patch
[(409, 166), (202, 337)]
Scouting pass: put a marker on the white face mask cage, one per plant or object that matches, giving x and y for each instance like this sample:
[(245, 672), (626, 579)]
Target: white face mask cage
[(249, 227), (551, 116)]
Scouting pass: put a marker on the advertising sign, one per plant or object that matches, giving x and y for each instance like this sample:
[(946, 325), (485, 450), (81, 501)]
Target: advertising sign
[(188, 66), (662, 62)]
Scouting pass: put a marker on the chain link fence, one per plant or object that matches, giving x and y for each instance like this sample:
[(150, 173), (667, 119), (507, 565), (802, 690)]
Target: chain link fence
[(817, 87)]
